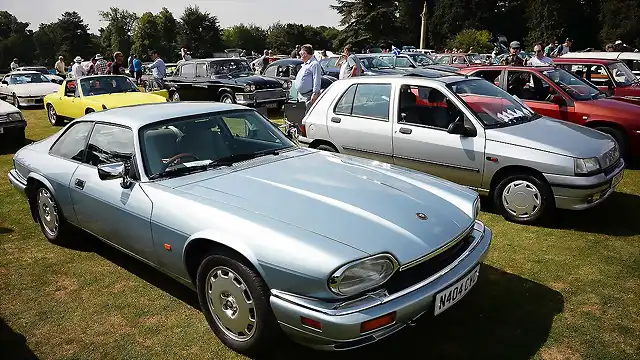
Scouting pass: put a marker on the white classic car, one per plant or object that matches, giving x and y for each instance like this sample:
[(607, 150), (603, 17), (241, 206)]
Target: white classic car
[(42, 70), (12, 124), (25, 88)]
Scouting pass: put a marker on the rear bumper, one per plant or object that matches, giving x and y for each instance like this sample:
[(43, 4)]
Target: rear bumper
[(18, 182), (581, 193), (341, 322), (9, 125), (31, 100)]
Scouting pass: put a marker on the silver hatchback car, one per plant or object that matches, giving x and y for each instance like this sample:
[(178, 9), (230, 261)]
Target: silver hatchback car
[(469, 131)]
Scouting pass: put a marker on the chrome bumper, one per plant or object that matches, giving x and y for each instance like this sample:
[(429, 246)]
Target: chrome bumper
[(18, 182), (31, 100), (341, 322), (581, 193)]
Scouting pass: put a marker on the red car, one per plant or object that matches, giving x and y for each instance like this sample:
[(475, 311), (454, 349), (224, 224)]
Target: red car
[(556, 93), (459, 60), (607, 75)]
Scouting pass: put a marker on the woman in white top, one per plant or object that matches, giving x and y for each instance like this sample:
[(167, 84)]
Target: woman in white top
[(77, 69)]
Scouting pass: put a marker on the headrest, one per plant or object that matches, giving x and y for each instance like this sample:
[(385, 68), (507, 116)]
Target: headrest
[(435, 96), (407, 97)]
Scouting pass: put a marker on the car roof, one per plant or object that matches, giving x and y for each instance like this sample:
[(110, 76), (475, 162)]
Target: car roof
[(137, 116), (23, 72), (286, 62), (502, 67), (427, 74), (569, 60)]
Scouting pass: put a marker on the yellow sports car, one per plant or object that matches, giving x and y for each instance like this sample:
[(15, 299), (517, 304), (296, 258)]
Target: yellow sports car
[(96, 93)]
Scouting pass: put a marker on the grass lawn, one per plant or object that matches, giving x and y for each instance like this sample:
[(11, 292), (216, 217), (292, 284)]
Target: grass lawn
[(569, 289)]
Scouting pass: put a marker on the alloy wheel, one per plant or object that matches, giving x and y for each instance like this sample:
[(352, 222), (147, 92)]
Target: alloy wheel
[(175, 96), (53, 116), (521, 199), (48, 212), (231, 303)]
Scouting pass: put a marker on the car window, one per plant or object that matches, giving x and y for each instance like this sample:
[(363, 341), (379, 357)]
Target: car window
[(574, 86), (345, 103), (444, 60), (622, 75), (492, 76), (71, 144), (251, 127), (598, 75), (529, 86), (271, 71), (188, 70), (421, 105), (403, 62), (369, 100), (70, 88), (109, 144), (331, 62), (201, 69)]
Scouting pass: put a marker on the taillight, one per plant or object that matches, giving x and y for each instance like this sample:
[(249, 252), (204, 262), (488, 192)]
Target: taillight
[(303, 130)]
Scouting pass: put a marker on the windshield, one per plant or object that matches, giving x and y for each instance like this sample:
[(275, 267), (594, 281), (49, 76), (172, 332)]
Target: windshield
[(31, 78), (42, 70), (226, 67), (375, 63), (622, 74), (578, 88), (207, 141), (474, 58), (107, 85), (421, 59), (494, 106)]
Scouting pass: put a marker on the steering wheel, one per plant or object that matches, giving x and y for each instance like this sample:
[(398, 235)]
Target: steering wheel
[(175, 159)]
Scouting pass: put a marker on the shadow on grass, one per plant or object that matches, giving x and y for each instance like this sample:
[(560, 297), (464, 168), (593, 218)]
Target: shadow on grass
[(13, 345), (4, 230), (9, 146), (504, 317)]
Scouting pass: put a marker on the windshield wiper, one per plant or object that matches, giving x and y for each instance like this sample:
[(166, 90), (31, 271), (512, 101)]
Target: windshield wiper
[(183, 170), (232, 159)]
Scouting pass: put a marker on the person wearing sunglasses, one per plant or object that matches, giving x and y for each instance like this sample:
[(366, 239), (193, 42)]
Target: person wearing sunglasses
[(539, 59), (513, 58)]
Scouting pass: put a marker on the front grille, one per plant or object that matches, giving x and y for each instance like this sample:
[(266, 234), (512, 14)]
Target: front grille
[(269, 94), (4, 118), (413, 275)]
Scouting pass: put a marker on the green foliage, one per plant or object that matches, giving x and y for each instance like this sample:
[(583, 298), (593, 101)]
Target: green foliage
[(146, 36), (15, 40), (199, 32), (470, 38), (248, 37), (117, 35), (619, 20)]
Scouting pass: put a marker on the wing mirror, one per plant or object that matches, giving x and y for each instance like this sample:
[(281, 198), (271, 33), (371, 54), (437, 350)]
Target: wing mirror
[(558, 100), (119, 170), (4, 82), (459, 127)]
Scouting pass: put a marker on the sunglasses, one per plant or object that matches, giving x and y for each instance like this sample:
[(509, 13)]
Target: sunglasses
[(516, 48)]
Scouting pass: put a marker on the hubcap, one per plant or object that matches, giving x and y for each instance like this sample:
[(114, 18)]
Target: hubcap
[(231, 304), (15, 100), (52, 114), (227, 100), (48, 212), (521, 199), (176, 97)]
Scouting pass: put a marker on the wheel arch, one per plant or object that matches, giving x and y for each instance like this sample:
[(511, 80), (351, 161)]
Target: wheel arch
[(224, 90), (606, 123), (34, 180), (509, 170), (201, 244), (317, 142)]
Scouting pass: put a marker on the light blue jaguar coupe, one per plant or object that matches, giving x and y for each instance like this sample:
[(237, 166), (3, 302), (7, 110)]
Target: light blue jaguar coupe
[(334, 251)]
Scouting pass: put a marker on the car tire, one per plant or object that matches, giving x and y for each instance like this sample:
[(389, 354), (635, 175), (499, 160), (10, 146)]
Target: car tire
[(14, 100), (52, 115), (241, 318), (52, 222), (617, 135), (523, 198), (328, 148), (227, 98), (175, 97)]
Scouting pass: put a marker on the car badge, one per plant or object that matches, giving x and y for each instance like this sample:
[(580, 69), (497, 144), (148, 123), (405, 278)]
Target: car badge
[(422, 216)]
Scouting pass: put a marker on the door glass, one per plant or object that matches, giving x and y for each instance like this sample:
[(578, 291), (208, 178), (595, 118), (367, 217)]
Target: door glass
[(71, 145), (492, 76), (528, 86), (421, 105), (444, 60), (250, 127), (372, 100), (109, 144), (403, 62), (598, 75), (271, 71), (188, 70), (345, 103), (70, 89), (201, 70)]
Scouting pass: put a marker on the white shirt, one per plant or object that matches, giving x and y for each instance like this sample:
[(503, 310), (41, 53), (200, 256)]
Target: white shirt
[(543, 61), (60, 66), (78, 70), (14, 66)]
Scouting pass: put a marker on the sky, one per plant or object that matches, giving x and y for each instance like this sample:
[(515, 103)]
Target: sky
[(229, 12)]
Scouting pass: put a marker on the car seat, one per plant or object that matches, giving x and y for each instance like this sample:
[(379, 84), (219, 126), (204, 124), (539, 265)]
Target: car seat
[(438, 116), (408, 106), (205, 142), (160, 144)]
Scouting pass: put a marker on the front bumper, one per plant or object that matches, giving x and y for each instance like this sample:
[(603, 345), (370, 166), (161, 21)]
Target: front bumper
[(341, 321), (581, 193), (31, 100), (18, 182), (260, 98), (7, 126)]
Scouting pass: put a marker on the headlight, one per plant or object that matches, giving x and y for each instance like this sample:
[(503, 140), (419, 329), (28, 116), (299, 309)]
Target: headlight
[(286, 85), (476, 208), (586, 166), (253, 88), (362, 275), (15, 116)]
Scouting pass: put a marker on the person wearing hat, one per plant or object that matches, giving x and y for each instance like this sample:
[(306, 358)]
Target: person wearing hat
[(100, 67), (60, 66), (14, 64), (77, 69), (563, 48), (514, 55)]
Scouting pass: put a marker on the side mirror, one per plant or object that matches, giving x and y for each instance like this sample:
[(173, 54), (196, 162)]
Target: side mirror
[(53, 81), (114, 171), (457, 128), (558, 100), (4, 82)]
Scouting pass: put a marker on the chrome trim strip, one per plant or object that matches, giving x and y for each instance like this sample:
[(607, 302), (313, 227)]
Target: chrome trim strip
[(438, 251), (366, 151), (438, 163), (378, 300)]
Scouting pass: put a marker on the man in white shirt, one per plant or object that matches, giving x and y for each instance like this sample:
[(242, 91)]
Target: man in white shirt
[(77, 69), (14, 64), (351, 67), (60, 67), (539, 59)]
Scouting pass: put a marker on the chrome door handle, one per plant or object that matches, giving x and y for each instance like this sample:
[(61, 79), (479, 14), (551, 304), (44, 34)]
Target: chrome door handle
[(405, 131), (79, 183), (336, 119)]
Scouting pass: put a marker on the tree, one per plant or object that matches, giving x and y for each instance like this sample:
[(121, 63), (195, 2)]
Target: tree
[(449, 18), (368, 22), (146, 36), (168, 28), (248, 37), (117, 35), (619, 21), (199, 32), (470, 38), (15, 40)]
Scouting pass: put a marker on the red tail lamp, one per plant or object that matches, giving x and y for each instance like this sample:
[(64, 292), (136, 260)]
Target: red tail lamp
[(314, 324), (377, 323), (303, 130)]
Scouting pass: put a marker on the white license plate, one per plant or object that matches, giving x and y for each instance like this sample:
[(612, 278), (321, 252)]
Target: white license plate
[(272, 106), (616, 179), (453, 294), (1, 130)]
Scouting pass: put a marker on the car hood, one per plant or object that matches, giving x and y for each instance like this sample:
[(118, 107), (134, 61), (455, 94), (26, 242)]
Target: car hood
[(366, 205), (125, 99), (555, 136), (6, 108), (261, 82), (616, 106), (37, 89)]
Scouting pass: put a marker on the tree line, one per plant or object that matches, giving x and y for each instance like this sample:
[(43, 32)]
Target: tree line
[(591, 23)]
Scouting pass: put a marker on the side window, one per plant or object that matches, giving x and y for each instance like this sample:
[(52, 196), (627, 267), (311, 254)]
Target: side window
[(188, 70), (529, 86), (444, 60), (403, 62), (250, 127), (421, 105), (72, 143), (70, 89), (492, 76), (345, 103), (598, 75), (634, 65), (109, 144), (271, 71), (331, 62), (580, 70), (201, 69), (372, 100)]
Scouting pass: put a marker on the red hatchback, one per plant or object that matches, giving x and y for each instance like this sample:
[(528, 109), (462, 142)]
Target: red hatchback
[(608, 75), (556, 93)]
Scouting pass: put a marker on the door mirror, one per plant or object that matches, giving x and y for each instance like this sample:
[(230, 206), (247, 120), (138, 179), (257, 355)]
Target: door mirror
[(558, 100), (114, 171), (4, 82), (53, 81), (457, 128)]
